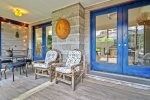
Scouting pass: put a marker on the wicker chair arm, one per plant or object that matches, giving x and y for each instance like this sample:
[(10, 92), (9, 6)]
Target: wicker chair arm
[(50, 63), (74, 66), (58, 64)]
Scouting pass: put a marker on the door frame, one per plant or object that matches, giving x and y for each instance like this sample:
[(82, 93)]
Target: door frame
[(43, 26), (122, 26)]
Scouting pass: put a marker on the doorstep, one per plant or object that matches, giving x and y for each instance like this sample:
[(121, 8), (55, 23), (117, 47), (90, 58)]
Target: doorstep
[(136, 82)]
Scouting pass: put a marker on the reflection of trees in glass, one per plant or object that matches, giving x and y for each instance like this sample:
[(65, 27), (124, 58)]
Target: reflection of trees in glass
[(136, 39), (49, 42)]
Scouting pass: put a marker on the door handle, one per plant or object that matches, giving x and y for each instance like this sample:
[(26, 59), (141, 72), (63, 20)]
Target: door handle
[(125, 44), (119, 45)]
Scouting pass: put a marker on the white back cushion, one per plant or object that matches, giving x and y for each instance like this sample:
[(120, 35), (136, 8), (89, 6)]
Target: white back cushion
[(51, 56), (74, 57)]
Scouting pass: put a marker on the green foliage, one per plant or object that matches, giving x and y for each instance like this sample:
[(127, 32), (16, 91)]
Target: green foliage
[(49, 42), (104, 40)]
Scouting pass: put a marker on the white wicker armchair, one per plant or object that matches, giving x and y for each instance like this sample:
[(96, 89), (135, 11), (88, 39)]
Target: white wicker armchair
[(70, 71), (44, 68)]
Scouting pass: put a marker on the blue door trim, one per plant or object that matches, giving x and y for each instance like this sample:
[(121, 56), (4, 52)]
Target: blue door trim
[(122, 67), (43, 26)]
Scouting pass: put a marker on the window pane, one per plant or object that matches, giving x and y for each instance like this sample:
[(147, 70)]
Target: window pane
[(106, 38), (38, 41), (139, 36), (49, 37)]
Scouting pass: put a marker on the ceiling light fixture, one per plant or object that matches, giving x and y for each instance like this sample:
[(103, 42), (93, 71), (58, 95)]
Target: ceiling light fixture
[(18, 12)]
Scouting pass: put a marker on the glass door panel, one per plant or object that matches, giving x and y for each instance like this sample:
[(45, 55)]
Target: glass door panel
[(38, 41), (139, 36), (105, 43), (136, 59), (106, 38)]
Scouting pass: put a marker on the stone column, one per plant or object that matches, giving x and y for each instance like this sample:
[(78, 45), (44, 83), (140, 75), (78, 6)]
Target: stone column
[(75, 15)]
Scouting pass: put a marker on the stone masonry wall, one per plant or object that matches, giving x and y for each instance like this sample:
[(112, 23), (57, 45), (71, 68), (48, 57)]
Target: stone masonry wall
[(75, 15)]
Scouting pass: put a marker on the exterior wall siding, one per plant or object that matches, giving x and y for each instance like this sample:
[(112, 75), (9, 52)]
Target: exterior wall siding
[(9, 40)]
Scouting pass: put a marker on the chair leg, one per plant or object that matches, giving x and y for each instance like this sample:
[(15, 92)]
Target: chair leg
[(20, 70), (55, 77), (0, 75), (27, 65), (26, 71), (35, 74), (50, 74), (13, 74), (73, 82), (82, 77), (5, 74)]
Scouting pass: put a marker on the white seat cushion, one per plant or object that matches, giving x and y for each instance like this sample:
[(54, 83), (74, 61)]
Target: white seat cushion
[(2, 70), (40, 65), (66, 69)]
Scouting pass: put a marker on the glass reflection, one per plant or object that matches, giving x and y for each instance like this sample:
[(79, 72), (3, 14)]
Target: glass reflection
[(38, 41), (49, 37), (106, 38), (139, 36)]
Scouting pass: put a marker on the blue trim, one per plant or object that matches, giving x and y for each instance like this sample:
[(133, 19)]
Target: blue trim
[(43, 26), (122, 24)]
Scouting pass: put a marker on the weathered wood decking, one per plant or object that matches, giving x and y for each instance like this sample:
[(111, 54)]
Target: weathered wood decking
[(10, 89), (90, 89)]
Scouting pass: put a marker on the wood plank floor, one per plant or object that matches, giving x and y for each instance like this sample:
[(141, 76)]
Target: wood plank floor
[(90, 89), (10, 89)]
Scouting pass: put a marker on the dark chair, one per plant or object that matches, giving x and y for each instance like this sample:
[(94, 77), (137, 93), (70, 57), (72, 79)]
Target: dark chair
[(19, 64), (3, 70), (28, 60)]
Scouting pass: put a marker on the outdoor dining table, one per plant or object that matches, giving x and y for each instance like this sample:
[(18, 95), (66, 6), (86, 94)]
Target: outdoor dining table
[(14, 64)]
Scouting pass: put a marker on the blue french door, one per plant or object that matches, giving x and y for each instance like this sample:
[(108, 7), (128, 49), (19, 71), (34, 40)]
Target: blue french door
[(40, 33), (106, 40), (136, 39), (120, 39)]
